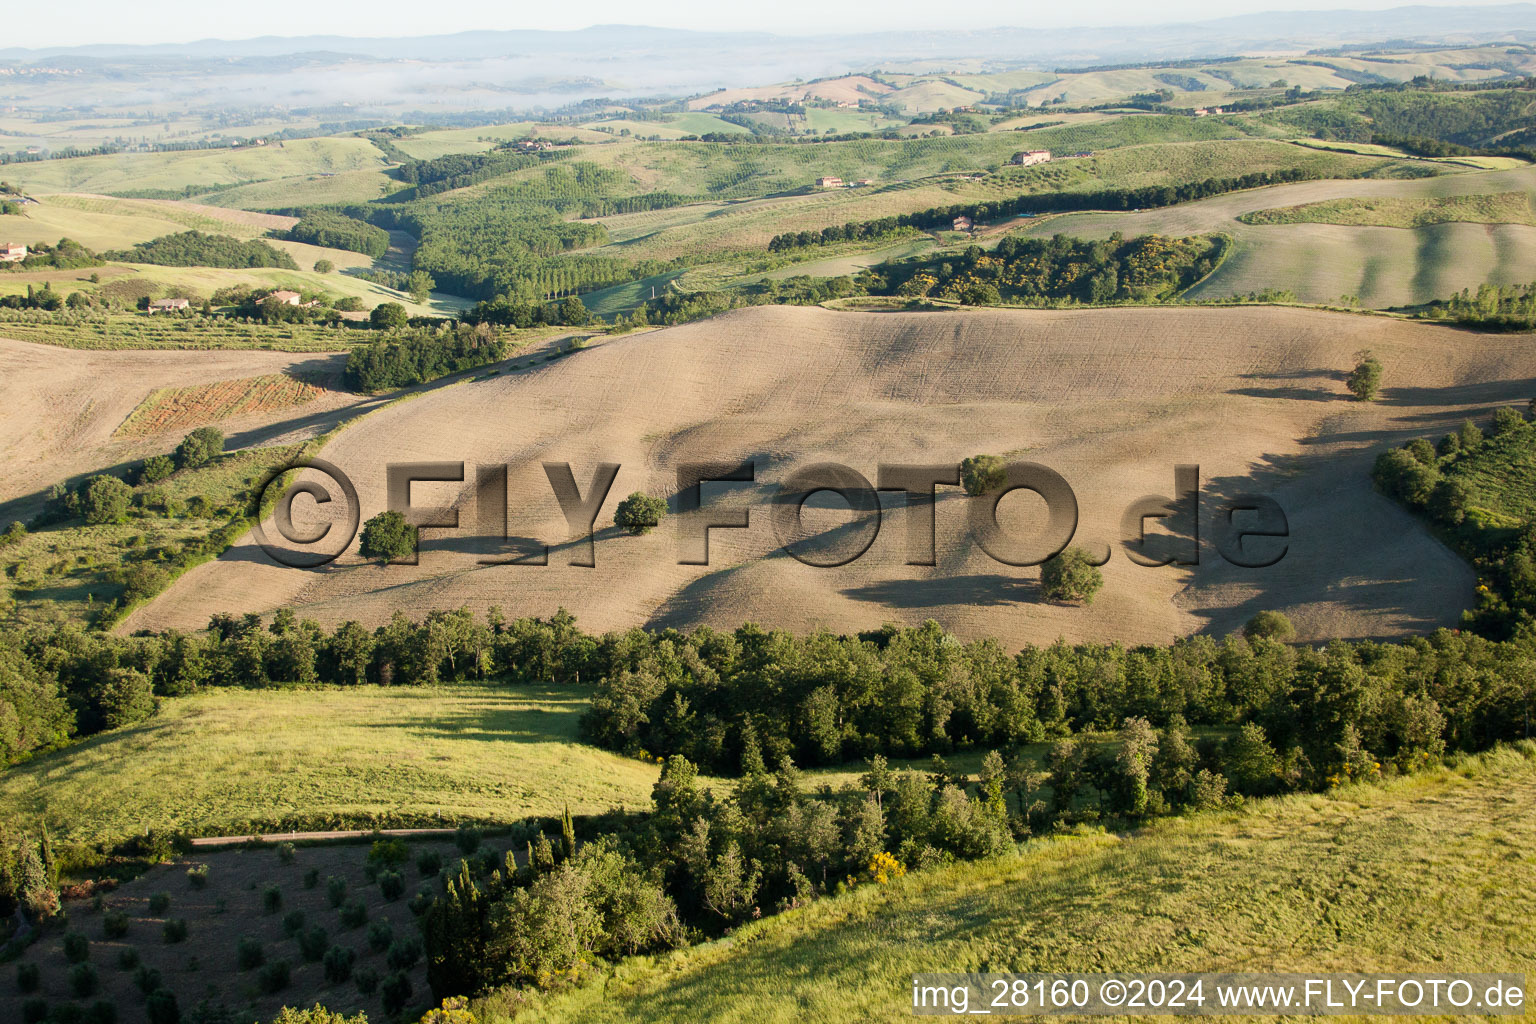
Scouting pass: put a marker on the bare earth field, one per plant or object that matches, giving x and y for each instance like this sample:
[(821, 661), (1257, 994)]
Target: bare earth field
[(1112, 399), (62, 407)]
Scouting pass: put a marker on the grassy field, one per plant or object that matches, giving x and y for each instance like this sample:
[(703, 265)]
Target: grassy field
[(702, 230), (69, 572), (197, 167), (225, 761), (1434, 872), (1402, 212)]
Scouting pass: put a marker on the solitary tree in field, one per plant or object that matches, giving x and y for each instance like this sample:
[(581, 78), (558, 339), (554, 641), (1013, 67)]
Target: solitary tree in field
[(420, 285), (639, 513), (573, 312), (200, 447), (324, 266), (1270, 625), (1070, 576), (388, 536), (1365, 380), (982, 473)]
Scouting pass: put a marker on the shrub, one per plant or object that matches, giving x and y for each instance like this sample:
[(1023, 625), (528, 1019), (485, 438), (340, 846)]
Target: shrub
[(77, 948), (28, 977), (127, 958), (274, 976), (159, 903), (286, 853), (338, 963), (428, 862), (389, 852), (387, 536), (154, 469), (102, 1012), (392, 885), (467, 838), (380, 935), (335, 889), (980, 474), (403, 954), (324, 266), (639, 514), (1364, 381), (197, 876), (422, 901), (354, 913), (313, 943), (114, 924), (1270, 625), (366, 979), (249, 953), (1207, 790), (1070, 576), (311, 878), (146, 979), (161, 1007), (200, 447), (175, 929), (34, 1011), (105, 499), (82, 980), (272, 899), (395, 992)]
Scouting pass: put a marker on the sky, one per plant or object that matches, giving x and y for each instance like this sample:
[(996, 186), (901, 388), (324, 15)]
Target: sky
[(175, 21)]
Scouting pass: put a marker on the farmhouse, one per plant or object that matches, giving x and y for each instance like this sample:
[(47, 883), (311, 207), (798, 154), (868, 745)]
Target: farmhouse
[(829, 182), (284, 297), (12, 252), (1030, 157), (963, 223), (168, 305)]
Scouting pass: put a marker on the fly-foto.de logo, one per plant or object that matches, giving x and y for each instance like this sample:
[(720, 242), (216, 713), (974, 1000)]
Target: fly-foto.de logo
[(1247, 530)]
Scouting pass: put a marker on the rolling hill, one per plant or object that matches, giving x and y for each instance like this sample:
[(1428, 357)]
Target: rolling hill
[(1112, 399)]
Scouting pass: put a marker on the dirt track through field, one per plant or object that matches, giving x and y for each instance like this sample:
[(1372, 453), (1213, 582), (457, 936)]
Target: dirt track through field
[(1112, 399)]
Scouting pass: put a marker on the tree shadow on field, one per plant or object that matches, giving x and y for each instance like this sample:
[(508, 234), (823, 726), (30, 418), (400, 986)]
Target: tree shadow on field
[(489, 722), (980, 590), (1295, 391)]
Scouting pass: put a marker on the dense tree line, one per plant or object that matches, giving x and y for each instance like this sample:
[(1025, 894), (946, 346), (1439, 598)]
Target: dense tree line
[(1491, 307), (460, 170), (817, 699), (505, 312), (1145, 197), (337, 231), (1453, 482), (1468, 118), (414, 355), (35, 298), (1147, 268), (607, 207), (196, 249)]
